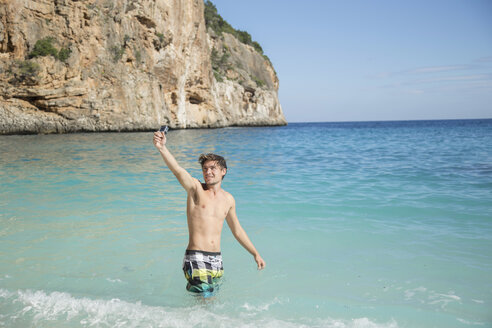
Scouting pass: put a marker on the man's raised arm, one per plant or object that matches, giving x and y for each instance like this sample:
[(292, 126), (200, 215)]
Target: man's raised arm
[(181, 174)]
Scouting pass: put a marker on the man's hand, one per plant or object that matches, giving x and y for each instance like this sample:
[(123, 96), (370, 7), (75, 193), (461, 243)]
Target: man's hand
[(159, 139), (260, 262)]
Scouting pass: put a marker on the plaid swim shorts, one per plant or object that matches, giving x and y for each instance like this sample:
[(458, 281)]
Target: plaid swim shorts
[(202, 270)]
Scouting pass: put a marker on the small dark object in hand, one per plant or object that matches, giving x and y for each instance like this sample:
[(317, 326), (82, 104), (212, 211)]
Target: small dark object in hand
[(164, 129)]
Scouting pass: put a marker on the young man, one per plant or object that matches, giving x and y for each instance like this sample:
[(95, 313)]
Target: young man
[(207, 206)]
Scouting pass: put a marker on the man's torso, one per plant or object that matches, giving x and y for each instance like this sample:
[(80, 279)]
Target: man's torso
[(206, 212)]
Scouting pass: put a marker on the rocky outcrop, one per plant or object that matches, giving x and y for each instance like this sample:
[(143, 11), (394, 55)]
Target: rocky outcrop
[(126, 65)]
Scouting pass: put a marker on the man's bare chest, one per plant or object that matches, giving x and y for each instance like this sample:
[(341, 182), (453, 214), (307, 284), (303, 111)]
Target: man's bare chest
[(210, 207)]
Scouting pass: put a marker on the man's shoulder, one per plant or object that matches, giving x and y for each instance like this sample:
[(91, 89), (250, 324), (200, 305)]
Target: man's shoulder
[(228, 196)]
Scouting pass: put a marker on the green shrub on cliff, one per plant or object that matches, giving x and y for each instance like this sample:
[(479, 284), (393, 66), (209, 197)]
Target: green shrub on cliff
[(63, 54), (244, 37), (258, 48), (126, 39), (45, 47), (259, 83), (117, 52), (28, 68), (138, 55), (215, 58), (218, 77), (219, 26), (24, 72), (220, 63), (215, 21), (160, 36)]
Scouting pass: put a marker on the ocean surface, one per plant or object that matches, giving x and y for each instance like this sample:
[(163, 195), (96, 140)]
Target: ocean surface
[(363, 224)]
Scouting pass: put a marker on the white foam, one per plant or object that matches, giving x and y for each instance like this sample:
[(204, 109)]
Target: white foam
[(262, 307), (474, 323), (451, 296), (354, 323), (478, 301), (114, 280), (5, 293), (443, 299), (39, 307), (409, 293)]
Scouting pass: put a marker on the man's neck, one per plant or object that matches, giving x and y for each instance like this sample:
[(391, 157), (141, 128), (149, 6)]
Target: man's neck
[(215, 188)]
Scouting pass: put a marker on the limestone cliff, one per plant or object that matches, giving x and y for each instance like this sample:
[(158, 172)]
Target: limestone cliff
[(126, 65)]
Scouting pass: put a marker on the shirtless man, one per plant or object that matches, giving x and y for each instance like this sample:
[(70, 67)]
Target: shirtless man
[(207, 206)]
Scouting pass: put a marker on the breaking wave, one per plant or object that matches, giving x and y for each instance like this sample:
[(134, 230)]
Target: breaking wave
[(41, 309)]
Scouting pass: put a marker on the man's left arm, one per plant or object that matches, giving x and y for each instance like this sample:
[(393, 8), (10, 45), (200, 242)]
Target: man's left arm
[(241, 235)]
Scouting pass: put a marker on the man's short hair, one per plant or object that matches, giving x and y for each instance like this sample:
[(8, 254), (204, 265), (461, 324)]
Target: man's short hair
[(213, 157)]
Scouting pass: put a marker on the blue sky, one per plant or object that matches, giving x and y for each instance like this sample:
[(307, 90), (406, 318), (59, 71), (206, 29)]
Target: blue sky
[(360, 60)]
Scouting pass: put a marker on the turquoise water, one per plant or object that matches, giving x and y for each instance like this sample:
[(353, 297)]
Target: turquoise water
[(380, 224)]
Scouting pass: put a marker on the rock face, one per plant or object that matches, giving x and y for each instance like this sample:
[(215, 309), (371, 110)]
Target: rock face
[(127, 65)]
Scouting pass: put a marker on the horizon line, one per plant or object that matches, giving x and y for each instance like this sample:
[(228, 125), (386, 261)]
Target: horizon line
[(407, 120)]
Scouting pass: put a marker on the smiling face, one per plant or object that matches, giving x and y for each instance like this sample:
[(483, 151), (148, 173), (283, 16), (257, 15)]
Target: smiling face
[(213, 173)]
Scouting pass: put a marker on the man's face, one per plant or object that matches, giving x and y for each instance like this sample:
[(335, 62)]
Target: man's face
[(212, 172)]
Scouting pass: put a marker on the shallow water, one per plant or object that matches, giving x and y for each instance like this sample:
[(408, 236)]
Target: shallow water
[(376, 224)]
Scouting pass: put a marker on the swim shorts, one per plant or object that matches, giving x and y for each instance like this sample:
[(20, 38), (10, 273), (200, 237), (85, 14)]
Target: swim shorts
[(202, 270)]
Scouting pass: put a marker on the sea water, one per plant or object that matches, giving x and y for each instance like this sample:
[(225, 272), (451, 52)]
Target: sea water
[(364, 224)]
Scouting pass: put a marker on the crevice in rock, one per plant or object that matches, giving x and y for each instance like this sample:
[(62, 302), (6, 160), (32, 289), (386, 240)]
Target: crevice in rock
[(36, 102), (250, 90), (195, 99), (146, 21), (10, 45), (249, 94)]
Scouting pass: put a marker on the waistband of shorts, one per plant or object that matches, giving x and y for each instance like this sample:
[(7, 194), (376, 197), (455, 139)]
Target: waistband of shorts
[(193, 251)]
